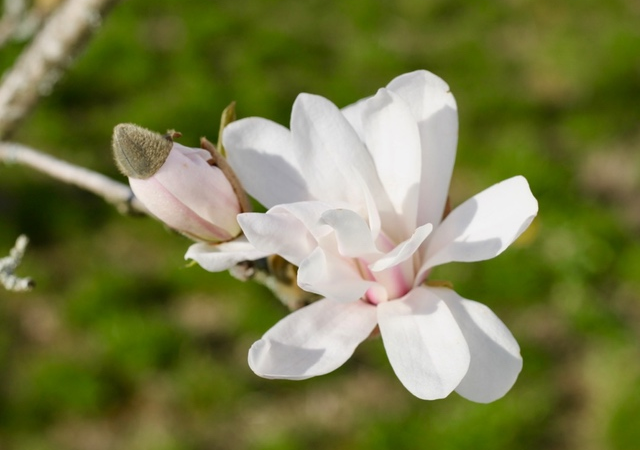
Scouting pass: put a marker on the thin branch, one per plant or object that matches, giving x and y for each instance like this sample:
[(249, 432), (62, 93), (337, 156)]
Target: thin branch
[(112, 191), (10, 263), (14, 12), (19, 23), (277, 274), (43, 62)]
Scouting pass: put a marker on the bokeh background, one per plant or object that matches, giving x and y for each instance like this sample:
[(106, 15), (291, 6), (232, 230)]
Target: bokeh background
[(121, 346)]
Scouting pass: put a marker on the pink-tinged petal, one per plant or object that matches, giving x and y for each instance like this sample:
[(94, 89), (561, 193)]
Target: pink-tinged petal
[(330, 154), (483, 226), (392, 138), (261, 153), (332, 276), (168, 209), (425, 346), (352, 233), (396, 270), (403, 251), (216, 258), (434, 109), (278, 233), (314, 340), (495, 354), (191, 196), (202, 188)]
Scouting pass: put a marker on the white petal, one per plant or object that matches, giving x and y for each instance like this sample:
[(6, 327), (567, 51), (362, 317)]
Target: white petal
[(483, 226), (330, 154), (352, 233), (404, 250), (373, 214), (424, 344), (332, 276), (392, 137), (310, 214), (353, 113), (278, 233), (434, 109), (495, 354), (261, 153), (290, 230), (216, 258), (312, 341)]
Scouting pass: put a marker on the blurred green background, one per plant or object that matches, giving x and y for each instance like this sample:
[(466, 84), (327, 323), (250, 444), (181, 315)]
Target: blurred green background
[(121, 346)]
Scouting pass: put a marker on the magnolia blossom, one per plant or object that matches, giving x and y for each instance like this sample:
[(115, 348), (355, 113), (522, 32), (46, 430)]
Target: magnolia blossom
[(191, 196), (356, 200)]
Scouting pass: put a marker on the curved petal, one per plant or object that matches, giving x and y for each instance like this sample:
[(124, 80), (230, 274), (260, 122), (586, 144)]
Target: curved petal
[(216, 258), (425, 346), (309, 214), (404, 250), (396, 270), (332, 276), (434, 108), (373, 215), (483, 226), (290, 230), (353, 114), (330, 154), (495, 354), (314, 340), (352, 233), (278, 233), (392, 138), (262, 155), (173, 212), (204, 189)]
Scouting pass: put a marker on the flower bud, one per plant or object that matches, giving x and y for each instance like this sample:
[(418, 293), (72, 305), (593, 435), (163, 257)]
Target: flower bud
[(184, 190)]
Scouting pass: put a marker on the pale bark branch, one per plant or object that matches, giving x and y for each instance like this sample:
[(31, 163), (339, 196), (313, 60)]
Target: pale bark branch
[(14, 12), (40, 66), (112, 191), (22, 19), (10, 263)]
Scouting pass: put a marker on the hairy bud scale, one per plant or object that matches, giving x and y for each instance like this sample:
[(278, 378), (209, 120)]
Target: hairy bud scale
[(138, 152)]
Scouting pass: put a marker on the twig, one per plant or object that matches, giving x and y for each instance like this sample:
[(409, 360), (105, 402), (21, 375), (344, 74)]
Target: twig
[(280, 276), (14, 10), (9, 264), (51, 52), (20, 24), (112, 191)]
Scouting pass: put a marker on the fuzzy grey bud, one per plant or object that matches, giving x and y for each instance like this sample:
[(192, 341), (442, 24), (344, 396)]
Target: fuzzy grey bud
[(138, 152)]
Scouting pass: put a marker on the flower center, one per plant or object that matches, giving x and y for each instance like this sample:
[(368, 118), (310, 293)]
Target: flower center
[(391, 283)]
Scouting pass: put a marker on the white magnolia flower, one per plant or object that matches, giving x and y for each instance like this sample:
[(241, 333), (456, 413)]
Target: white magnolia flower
[(356, 200)]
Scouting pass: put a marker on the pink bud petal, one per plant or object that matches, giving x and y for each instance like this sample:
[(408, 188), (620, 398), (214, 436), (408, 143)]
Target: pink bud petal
[(191, 196)]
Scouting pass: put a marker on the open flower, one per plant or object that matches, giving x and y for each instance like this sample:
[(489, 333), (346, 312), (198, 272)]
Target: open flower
[(356, 200)]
